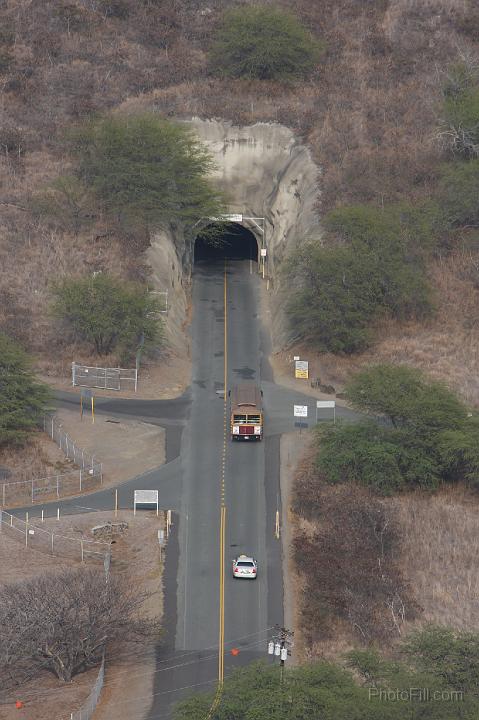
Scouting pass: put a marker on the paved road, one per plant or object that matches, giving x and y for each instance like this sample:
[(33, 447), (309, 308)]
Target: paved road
[(190, 483)]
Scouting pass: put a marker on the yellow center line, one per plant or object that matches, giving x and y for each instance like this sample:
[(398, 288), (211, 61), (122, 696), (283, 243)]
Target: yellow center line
[(221, 637), (223, 507)]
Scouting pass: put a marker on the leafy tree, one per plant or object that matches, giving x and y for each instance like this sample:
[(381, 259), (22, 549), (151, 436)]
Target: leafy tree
[(263, 42), (406, 398), (146, 170), (23, 399), (107, 312), (459, 192)]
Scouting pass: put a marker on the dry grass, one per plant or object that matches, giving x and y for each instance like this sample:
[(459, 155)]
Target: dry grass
[(39, 458), (439, 555)]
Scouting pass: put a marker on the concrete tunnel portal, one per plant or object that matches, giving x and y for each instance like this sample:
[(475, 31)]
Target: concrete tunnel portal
[(233, 242)]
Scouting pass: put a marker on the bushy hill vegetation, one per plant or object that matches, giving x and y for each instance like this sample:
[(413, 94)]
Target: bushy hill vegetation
[(388, 111)]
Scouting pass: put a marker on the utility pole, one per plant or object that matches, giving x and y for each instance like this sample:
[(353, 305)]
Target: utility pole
[(280, 646)]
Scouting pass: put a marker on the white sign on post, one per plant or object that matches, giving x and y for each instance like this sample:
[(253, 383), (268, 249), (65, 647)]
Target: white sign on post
[(263, 252), (145, 497), (300, 411), (326, 404)]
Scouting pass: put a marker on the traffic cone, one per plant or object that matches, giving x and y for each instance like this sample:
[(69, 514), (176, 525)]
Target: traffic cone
[(19, 704)]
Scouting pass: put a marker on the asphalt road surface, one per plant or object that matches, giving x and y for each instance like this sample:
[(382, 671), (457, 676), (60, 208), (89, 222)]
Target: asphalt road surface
[(201, 474)]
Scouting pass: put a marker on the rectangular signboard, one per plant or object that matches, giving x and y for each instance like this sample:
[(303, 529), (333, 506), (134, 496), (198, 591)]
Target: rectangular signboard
[(145, 497), (301, 369), (300, 411), (325, 403), (263, 252)]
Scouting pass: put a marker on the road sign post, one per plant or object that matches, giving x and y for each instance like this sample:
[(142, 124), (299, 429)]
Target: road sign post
[(300, 411), (145, 497), (301, 369)]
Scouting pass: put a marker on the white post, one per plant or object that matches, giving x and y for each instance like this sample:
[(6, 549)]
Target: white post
[(80, 478), (33, 491), (58, 486), (42, 515), (73, 374), (136, 377), (58, 513)]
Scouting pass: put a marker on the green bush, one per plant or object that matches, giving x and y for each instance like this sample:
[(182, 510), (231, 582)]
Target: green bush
[(263, 42), (458, 192), (336, 294), (23, 400), (107, 312), (327, 691), (461, 110), (385, 460), (375, 268), (423, 436), (449, 655), (146, 171)]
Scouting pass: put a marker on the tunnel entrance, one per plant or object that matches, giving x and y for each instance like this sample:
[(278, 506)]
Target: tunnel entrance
[(234, 242)]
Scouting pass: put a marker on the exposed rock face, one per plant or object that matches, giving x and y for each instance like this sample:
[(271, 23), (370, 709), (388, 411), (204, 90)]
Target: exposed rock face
[(266, 173)]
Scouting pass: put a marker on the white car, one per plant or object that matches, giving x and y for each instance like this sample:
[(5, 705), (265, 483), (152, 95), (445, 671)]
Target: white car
[(245, 568)]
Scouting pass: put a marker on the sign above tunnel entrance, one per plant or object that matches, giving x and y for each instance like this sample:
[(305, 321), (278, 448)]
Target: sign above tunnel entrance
[(230, 218)]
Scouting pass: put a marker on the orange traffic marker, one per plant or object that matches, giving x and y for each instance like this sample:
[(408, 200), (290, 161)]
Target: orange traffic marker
[(235, 651), (19, 704)]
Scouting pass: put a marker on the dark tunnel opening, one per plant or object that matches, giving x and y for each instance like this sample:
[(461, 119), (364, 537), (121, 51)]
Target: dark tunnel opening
[(235, 242)]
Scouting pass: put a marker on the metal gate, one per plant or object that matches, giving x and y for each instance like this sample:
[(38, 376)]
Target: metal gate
[(106, 378)]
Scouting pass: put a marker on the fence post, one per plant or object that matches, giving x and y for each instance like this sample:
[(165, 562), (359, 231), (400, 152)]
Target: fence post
[(73, 374), (58, 486)]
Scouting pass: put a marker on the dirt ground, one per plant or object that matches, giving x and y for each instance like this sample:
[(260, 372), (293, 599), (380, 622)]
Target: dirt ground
[(163, 381), (129, 671), (125, 448)]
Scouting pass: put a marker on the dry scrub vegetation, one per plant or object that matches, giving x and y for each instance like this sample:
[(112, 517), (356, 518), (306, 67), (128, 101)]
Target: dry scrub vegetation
[(369, 114), (376, 568)]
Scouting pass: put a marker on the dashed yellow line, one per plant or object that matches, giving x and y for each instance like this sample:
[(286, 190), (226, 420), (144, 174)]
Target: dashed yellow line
[(221, 635), (221, 644)]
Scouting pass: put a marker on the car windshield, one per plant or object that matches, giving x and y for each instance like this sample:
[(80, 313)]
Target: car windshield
[(245, 563)]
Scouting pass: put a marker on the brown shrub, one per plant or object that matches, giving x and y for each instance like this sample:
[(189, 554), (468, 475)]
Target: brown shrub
[(350, 566)]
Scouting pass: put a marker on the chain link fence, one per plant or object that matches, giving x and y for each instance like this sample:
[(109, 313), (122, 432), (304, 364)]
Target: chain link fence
[(104, 378), (31, 534), (87, 476), (88, 708)]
